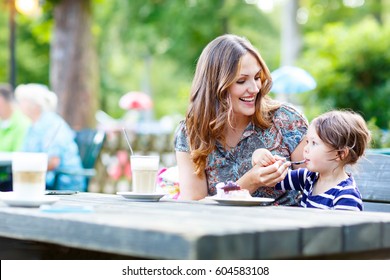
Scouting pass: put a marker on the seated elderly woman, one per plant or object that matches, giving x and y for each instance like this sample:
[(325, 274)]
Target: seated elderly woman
[(49, 133)]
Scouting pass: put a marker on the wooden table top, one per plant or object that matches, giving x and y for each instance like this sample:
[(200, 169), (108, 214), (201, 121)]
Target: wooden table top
[(197, 230)]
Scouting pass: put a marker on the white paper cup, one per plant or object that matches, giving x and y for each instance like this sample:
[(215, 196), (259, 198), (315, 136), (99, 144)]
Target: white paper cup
[(144, 173), (29, 174)]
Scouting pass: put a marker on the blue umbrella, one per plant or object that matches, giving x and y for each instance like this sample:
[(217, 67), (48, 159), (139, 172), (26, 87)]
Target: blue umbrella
[(291, 79)]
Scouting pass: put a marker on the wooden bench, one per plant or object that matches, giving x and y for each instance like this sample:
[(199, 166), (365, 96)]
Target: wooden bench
[(372, 175)]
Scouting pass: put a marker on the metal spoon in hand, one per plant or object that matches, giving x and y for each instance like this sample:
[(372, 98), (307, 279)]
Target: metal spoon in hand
[(298, 162)]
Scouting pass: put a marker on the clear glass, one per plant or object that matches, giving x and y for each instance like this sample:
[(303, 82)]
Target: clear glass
[(144, 173), (29, 174)]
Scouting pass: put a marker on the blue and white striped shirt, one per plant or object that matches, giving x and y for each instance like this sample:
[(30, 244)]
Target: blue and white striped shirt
[(344, 196)]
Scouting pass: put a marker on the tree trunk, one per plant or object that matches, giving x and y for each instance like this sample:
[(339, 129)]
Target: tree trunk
[(74, 71), (291, 41)]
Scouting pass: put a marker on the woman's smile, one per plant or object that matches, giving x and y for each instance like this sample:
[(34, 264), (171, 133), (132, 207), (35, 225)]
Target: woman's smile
[(248, 99)]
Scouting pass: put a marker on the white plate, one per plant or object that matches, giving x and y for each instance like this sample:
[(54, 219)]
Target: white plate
[(141, 196), (10, 199), (254, 201)]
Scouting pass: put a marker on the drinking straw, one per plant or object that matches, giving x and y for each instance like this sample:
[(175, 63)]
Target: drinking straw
[(127, 140)]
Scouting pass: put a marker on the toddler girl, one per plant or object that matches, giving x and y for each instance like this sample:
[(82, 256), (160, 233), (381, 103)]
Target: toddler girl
[(334, 139)]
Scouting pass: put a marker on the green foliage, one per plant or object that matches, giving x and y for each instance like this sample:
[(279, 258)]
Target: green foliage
[(4, 43), (323, 12), (146, 45), (33, 50), (386, 139), (32, 45), (376, 134), (352, 68), (152, 45), (380, 137)]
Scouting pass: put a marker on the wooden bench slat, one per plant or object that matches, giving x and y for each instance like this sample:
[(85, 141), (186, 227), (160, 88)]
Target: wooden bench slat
[(372, 176)]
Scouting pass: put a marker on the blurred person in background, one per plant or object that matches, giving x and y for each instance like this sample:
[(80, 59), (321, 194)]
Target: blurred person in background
[(49, 133), (13, 128), (13, 123)]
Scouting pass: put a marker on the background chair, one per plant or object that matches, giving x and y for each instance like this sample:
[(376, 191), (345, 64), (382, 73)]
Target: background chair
[(90, 143)]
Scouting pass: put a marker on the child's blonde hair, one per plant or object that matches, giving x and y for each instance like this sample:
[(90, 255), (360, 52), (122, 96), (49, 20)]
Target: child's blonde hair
[(343, 129)]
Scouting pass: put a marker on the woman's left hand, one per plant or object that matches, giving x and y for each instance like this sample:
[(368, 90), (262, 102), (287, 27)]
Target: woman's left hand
[(259, 176)]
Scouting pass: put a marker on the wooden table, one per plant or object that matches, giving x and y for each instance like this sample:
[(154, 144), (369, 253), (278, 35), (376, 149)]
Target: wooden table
[(196, 230)]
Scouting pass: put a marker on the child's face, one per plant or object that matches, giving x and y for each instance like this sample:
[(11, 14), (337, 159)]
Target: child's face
[(319, 156)]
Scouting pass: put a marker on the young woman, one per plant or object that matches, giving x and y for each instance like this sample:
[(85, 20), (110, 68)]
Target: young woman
[(230, 115)]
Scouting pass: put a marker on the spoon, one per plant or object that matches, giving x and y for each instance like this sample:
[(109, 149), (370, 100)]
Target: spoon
[(298, 162)]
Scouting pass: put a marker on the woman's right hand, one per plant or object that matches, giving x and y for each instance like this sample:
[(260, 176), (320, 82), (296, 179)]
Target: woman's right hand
[(262, 157), (261, 176)]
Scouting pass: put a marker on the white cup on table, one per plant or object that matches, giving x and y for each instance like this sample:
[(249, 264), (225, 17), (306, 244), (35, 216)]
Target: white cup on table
[(29, 174), (144, 173)]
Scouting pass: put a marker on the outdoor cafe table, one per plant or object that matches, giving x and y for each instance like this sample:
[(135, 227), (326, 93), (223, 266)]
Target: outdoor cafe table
[(197, 230)]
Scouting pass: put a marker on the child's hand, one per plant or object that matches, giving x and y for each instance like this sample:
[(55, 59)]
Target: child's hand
[(263, 157)]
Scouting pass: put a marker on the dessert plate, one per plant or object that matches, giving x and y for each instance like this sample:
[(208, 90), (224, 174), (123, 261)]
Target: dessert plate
[(141, 196), (254, 201), (10, 199)]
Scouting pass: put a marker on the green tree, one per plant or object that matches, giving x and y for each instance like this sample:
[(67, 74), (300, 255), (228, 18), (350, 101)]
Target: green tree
[(73, 62), (158, 42), (140, 44), (4, 42), (352, 68), (322, 12), (32, 47)]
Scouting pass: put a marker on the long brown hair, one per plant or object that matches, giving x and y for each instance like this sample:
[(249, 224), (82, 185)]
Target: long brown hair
[(208, 112)]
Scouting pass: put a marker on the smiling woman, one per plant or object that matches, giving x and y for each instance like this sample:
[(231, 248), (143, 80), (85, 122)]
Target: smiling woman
[(231, 115)]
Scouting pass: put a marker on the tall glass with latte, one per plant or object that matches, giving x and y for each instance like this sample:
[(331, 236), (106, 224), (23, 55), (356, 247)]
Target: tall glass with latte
[(144, 173), (29, 174)]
